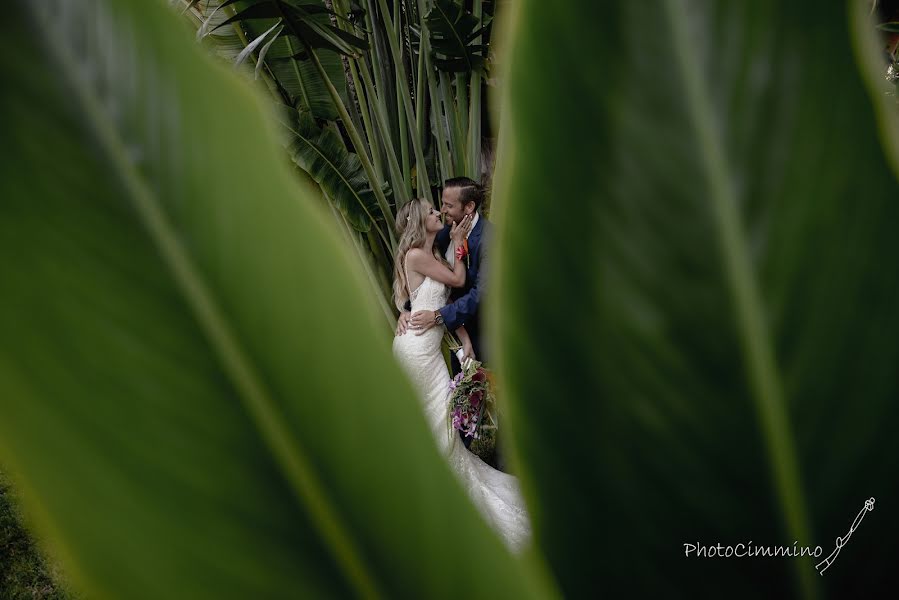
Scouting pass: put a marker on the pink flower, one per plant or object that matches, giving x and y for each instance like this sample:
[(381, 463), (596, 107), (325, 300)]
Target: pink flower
[(479, 376), (475, 398)]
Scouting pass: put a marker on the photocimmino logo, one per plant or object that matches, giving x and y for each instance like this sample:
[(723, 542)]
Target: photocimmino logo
[(841, 541)]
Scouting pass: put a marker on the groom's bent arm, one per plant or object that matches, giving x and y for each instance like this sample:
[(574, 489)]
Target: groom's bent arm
[(455, 314)]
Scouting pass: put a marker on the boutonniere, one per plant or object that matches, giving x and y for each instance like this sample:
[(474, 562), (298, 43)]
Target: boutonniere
[(462, 252)]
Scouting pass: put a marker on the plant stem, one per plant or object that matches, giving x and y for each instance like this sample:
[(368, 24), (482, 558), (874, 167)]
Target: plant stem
[(474, 123), (364, 100), (400, 67), (461, 106), (358, 144), (296, 69), (425, 50), (379, 111), (350, 235), (380, 64), (457, 142), (402, 128)]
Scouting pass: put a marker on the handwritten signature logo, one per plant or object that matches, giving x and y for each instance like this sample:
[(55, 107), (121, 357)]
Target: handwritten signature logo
[(841, 541)]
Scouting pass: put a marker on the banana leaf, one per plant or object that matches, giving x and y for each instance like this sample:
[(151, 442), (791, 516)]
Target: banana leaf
[(697, 306), (320, 152), (453, 30), (197, 396)]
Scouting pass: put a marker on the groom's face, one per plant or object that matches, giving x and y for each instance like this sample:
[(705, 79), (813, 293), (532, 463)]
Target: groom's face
[(452, 206)]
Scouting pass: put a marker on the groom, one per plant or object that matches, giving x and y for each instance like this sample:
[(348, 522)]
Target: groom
[(461, 196)]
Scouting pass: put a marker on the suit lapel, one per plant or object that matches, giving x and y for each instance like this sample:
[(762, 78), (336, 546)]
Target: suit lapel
[(474, 238)]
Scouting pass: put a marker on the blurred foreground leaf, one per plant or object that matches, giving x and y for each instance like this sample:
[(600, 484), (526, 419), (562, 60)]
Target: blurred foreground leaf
[(698, 301), (193, 392)]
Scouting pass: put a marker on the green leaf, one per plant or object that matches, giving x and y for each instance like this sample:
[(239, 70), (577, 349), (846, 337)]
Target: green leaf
[(196, 398), (452, 29), (205, 18), (288, 63), (321, 153), (257, 10), (300, 80), (267, 34), (702, 346), (308, 21)]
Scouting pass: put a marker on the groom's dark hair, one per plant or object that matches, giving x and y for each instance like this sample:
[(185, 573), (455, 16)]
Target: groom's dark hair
[(469, 190)]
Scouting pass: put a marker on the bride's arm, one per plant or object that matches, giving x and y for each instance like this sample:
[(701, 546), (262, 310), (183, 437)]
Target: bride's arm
[(421, 262), (427, 265)]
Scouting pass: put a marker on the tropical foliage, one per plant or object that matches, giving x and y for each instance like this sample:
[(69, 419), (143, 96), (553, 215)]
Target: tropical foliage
[(380, 101), (198, 398), (693, 304)]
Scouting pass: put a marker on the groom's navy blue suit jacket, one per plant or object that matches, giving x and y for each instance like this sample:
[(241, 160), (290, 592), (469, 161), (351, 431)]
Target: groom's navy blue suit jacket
[(464, 305)]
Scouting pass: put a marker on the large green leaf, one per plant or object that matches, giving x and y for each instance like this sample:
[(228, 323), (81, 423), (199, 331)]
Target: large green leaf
[(299, 82), (196, 397), (702, 347), (453, 30), (309, 24), (320, 153)]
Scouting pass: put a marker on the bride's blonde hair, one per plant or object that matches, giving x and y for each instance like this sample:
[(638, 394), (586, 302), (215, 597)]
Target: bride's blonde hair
[(410, 224)]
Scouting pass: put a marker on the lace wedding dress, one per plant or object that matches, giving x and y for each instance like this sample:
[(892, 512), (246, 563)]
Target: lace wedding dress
[(494, 493)]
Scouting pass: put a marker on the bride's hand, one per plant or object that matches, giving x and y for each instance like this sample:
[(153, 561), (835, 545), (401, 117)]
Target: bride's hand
[(458, 231)]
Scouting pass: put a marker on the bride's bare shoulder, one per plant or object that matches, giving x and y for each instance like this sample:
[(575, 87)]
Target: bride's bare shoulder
[(416, 256)]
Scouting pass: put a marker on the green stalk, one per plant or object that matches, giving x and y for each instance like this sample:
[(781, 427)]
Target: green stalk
[(296, 70), (420, 94), (374, 147), (457, 142), (385, 273), (358, 144), (401, 75), (350, 236), (442, 149), (373, 178), (370, 131), (379, 110), (402, 128), (474, 123), (380, 61), (461, 105), (363, 99)]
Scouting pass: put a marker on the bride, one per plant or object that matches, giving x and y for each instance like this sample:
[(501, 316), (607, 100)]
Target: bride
[(419, 268)]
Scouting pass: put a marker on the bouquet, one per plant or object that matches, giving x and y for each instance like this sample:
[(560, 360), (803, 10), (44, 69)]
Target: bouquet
[(472, 408)]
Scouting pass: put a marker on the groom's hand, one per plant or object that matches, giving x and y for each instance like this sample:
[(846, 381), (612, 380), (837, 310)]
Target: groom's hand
[(422, 320), (402, 324)]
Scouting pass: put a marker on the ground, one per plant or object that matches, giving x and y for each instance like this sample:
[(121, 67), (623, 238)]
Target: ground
[(24, 572)]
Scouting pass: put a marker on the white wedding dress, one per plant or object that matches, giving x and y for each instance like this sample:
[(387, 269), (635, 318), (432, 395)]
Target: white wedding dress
[(494, 493)]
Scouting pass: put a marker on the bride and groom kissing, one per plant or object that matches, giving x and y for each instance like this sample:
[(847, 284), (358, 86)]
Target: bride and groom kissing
[(438, 284)]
